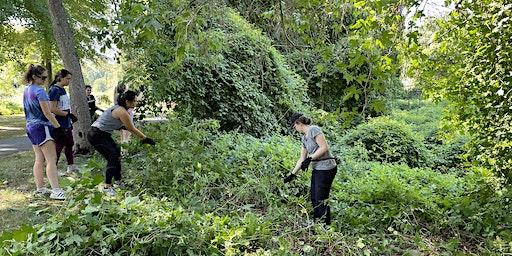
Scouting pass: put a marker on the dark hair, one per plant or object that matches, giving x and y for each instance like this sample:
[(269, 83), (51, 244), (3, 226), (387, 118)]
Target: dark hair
[(121, 88), (299, 118), (88, 86), (61, 74), (33, 70), (126, 96)]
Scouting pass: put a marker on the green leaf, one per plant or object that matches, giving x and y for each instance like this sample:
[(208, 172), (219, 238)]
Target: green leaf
[(73, 239), (360, 4), (90, 209), (351, 92), (131, 200), (378, 106)]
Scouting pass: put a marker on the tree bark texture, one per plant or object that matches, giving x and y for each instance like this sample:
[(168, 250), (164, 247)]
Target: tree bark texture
[(69, 55)]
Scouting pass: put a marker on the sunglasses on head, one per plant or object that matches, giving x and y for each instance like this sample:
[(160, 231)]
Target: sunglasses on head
[(42, 77)]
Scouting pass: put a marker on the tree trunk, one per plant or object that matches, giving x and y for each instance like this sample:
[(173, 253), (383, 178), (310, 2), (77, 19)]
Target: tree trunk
[(47, 59), (65, 43)]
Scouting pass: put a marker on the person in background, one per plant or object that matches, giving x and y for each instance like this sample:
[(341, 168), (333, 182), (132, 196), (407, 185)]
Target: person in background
[(100, 136), (41, 127), (91, 101), (61, 107), (316, 151)]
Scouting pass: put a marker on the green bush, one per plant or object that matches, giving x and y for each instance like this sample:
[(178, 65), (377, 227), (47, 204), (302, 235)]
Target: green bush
[(388, 141), (391, 197), (425, 120), (10, 108), (395, 196), (226, 70)]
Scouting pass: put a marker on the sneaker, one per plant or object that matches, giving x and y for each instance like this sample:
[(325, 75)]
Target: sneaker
[(109, 191), (43, 191), (57, 194)]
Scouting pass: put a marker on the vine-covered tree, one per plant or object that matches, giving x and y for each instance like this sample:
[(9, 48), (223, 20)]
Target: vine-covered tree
[(467, 62)]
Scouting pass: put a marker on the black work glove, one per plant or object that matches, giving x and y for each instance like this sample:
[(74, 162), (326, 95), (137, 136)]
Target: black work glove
[(290, 178), (148, 141), (59, 133), (73, 117), (305, 164)]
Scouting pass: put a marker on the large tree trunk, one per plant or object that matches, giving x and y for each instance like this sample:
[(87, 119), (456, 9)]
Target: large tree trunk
[(64, 37), (47, 59)]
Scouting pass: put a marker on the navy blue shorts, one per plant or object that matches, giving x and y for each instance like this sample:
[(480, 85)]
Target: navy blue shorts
[(39, 133)]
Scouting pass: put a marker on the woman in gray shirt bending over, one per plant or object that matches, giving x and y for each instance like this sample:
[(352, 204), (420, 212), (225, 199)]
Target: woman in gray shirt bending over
[(100, 136), (315, 151)]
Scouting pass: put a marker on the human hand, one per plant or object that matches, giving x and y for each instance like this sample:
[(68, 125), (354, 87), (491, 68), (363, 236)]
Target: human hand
[(305, 164), (74, 119), (290, 178)]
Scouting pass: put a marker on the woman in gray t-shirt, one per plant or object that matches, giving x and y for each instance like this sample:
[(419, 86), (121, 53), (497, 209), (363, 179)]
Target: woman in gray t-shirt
[(315, 151)]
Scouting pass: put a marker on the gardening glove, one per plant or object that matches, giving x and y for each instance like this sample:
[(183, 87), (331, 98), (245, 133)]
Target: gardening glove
[(73, 117), (148, 141), (305, 164), (290, 178)]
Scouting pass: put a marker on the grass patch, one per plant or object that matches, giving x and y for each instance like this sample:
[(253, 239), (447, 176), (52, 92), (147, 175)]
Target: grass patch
[(12, 126), (18, 204)]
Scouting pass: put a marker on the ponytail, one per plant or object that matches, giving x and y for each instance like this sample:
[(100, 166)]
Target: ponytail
[(304, 120), (33, 70), (61, 74), (299, 118)]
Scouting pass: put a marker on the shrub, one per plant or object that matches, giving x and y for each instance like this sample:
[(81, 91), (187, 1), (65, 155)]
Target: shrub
[(395, 196), (10, 108), (225, 70), (445, 147), (389, 141), (421, 200)]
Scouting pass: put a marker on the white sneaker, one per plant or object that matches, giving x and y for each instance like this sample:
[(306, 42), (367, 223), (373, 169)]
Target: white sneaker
[(43, 191), (57, 194), (109, 191)]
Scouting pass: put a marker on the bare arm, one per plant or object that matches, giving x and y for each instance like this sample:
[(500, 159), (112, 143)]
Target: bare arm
[(322, 146), (54, 109), (45, 106), (303, 154), (123, 115)]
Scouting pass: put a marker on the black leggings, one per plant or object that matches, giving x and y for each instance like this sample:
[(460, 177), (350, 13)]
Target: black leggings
[(321, 181), (103, 143)]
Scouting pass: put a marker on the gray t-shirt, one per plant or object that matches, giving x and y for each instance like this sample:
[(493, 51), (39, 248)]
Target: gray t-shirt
[(106, 122), (309, 143)]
